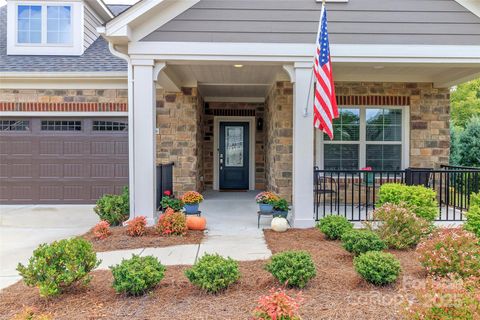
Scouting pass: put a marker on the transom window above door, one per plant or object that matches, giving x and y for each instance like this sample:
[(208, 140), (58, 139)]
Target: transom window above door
[(366, 137), (44, 24)]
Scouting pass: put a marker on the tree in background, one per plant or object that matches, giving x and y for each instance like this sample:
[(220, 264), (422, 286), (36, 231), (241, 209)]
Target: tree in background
[(465, 103), (465, 124), (468, 147)]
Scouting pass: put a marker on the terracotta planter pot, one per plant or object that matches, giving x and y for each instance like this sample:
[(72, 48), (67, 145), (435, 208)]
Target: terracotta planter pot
[(196, 223)]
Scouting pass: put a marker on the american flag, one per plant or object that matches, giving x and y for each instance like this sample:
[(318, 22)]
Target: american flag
[(325, 105)]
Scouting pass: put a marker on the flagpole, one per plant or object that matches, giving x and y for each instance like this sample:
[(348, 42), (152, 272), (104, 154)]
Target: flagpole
[(305, 111)]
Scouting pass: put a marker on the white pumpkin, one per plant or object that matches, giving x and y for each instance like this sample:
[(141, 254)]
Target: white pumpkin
[(279, 224)]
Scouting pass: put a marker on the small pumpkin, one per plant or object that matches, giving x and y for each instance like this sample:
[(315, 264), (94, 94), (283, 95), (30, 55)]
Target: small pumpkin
[(196, 223)]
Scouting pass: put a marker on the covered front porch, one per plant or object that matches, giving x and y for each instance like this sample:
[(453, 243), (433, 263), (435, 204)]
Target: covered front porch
[(232, 129)]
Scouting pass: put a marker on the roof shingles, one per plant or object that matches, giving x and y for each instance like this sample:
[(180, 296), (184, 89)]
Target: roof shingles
[(96, 58)]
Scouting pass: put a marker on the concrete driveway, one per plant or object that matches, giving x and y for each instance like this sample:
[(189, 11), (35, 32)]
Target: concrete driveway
[(24, 227)]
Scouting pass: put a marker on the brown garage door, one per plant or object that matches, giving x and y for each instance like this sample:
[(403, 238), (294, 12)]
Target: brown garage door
[(52, 160)]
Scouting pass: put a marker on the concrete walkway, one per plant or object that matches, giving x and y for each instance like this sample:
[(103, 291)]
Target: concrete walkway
[(231, 222), (232, 231), (24, 227)]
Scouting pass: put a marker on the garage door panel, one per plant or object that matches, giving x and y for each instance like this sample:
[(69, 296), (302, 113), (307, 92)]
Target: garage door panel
[(51, 148), (102, 170), (121, 170), (103, 148), (75, 170), (19, 170), (50, 192), (51, 170), (98, 190), (20, 148), (61, 167)]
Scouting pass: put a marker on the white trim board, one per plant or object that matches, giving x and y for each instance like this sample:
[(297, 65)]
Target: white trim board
[(290, 52), (251, 162)]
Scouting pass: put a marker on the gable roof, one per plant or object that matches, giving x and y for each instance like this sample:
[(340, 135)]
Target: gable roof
[(96, 58)]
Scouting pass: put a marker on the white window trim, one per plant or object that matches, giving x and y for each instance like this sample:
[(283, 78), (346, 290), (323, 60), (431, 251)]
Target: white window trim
[(44, 48), (405, 161)]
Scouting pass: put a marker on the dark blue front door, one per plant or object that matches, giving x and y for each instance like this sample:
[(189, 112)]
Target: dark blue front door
[(233, 155)]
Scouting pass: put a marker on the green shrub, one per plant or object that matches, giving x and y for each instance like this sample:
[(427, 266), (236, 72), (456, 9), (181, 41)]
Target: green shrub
[(137, 275), (171, 202), (473, 215), (213, 273), (450, 251), (113, 208), (361, 241), (292, 268), (56, 266), (334, 226), (399, 227), (379, 268), (421, 200)]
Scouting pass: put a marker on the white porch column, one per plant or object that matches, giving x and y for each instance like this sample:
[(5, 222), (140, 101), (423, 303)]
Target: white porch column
[(142, 154), (303, 148)]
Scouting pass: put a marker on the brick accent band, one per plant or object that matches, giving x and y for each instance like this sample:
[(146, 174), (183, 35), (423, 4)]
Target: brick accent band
[(64, 106), (373, 100)]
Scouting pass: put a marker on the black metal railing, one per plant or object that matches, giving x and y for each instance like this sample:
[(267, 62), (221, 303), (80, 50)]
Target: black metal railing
[(164, 180), (353, 193)]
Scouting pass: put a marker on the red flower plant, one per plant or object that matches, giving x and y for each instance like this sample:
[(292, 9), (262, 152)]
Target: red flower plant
[(278, 305), (167, 193), (137, 226), (172, 223), (101, 230), (367, 169)]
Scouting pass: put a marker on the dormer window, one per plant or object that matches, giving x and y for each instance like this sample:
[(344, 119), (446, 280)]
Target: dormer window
[(44, 24), (29, 24), (45, 27), (59, 25)]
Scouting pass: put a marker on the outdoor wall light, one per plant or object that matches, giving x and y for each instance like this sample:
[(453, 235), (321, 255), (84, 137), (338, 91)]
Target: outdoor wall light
[(238, 65), (260, 124)]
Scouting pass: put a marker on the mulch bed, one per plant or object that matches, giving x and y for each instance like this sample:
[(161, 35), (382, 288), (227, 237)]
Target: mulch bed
[(119, 240), (336, 293)]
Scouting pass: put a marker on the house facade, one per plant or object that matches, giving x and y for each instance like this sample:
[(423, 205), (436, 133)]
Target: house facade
[(223, 90)]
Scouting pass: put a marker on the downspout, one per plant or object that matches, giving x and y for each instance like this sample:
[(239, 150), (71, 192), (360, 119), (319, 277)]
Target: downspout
[(131, 166)]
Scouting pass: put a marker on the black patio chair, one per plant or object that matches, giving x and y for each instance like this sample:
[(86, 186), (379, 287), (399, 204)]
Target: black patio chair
[(418, 177), (325, 186)]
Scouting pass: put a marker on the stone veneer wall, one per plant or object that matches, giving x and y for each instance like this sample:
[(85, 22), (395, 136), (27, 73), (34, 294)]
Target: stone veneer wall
[(279, 139), (178, 116), (233, 108), (429, 116)]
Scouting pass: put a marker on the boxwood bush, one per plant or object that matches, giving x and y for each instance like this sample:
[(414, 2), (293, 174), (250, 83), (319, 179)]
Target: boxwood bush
[(334, 226), (112, 208), (421, 200), (292, 268), (137, 275), (213, 273), (360, 241), (56, 266), (379, 268)]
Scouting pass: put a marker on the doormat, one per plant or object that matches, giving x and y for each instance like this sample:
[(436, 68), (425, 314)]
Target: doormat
[(233, 190)]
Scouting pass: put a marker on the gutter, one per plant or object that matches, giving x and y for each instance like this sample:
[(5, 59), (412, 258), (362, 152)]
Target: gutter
[(64, 75), (131, 159)]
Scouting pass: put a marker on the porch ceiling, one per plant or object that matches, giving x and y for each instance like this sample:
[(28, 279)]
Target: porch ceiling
[(249, 83)]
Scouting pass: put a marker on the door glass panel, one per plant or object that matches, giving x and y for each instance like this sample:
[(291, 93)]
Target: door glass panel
[(233, 146)]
